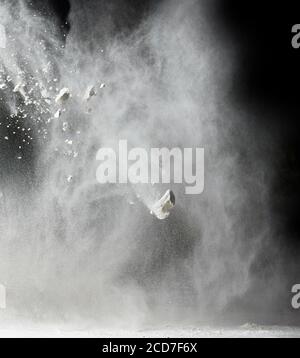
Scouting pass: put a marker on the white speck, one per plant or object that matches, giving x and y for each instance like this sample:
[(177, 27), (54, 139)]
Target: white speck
[(57, 114), (65, 126)]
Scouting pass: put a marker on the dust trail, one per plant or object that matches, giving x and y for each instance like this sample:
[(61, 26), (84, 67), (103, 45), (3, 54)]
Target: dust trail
[(73, 249)]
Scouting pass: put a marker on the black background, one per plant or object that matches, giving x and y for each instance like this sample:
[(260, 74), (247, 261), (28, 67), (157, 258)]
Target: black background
[(267, 79)]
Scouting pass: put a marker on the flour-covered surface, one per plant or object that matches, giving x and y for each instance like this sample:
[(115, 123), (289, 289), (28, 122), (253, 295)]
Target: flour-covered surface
[(243, 331)]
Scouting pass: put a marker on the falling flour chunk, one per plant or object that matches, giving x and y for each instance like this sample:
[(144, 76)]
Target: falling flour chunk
[(57, 114), (89, 93), (63, 95), (161, 209), (19, 88)]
